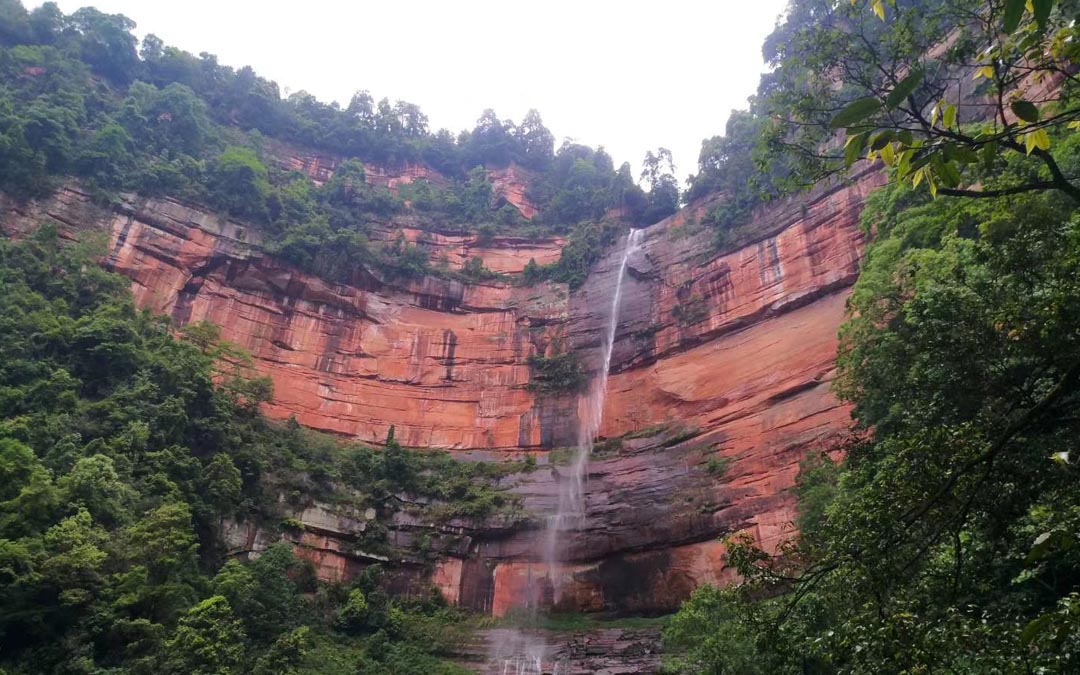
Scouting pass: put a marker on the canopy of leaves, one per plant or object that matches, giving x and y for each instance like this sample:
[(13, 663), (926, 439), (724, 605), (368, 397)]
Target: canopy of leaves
[(80, 97), (937, 90), (123, 450), (945, 540)]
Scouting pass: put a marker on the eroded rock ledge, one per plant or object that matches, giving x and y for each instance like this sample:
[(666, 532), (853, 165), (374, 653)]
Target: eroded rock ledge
[(734, 349)]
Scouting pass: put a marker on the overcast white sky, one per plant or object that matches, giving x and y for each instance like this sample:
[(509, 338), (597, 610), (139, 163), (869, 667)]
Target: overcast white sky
[(631, 76)]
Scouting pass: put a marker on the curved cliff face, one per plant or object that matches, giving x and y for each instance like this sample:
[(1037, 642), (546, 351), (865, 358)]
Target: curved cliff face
[(443, 361), (722, 363), (735, 353)]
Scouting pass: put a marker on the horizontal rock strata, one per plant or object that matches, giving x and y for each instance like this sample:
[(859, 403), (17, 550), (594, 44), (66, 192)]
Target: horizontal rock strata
[(722, 364)]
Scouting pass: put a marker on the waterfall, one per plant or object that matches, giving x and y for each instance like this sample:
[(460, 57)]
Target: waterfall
[(518, 652), (571, 509)]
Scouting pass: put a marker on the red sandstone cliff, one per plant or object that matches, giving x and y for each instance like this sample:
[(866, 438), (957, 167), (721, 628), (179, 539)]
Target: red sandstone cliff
[(735, 349)]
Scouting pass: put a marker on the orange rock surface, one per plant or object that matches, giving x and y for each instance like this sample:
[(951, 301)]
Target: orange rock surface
[(512, 184), (737, 348), (502, 254)]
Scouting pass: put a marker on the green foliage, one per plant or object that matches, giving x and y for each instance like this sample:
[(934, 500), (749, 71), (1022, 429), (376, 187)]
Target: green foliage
[(732, 168), (943, 540), (531, 274), (239, 184), (585, 246), (658, 171), (678, 433), (561, 456), (561, 373), (898, 101), (172, 121), (267, 592), (14, 22), (708, 637), (79, 100), (348, 198), (890, 101), (208, 641), (122, 451), (816, 487), (353, 616), (402, 260), (498, 143), (286, 655), (387, 658), (474, 270), (717, 466), (316, 247), (582, 185)]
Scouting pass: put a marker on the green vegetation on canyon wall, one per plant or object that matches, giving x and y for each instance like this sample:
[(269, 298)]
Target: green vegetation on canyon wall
[(80, 97), (945, 537), (124, 451)]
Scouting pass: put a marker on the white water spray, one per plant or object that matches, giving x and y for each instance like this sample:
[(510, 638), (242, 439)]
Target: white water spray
[(571, 511), (520, 653)]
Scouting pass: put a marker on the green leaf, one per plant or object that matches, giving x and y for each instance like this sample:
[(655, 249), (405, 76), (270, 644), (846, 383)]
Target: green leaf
[(1014, 11), (882, 139), (1049, 542), (935, 112), (949, 174), (1042, 11), (853, 149), (1036, 139), (904, 89), (948, 118), (1040, 547), (1032, 630), (854, 112), (1025, 111), (960, 153), (903, 166), (888, 155)]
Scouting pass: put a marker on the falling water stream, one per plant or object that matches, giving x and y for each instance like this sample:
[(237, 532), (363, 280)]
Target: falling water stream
[(571, 511), (528, 653)]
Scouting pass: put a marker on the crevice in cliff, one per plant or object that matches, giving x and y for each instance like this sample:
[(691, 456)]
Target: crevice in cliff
[(185, 299), (792, 391)]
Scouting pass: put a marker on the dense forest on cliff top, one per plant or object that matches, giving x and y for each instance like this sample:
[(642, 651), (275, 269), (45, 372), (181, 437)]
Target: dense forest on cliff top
[(83, 98), (942, 539)]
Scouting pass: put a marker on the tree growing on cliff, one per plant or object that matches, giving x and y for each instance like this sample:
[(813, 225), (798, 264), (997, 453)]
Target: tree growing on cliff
[(556, 374), (938, 91), (208, 641), (536, 141), (946, 539), (239, 185), (658, 172), (14, 22)]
